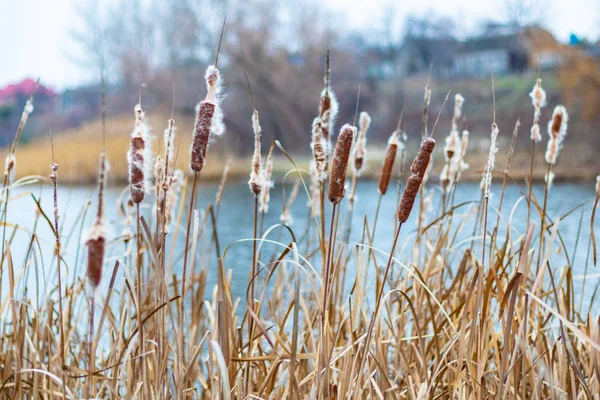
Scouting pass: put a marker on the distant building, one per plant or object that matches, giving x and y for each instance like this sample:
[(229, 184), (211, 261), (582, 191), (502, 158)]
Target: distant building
[(418, 54), (500, 50)]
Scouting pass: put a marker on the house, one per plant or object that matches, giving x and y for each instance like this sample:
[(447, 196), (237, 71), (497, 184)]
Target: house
[(499, 50), (419, 53)]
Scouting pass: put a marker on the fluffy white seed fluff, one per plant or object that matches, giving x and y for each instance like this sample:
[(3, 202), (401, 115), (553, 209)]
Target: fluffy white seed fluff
[(168, 139), (458, 105), (452, 145), (360, 149), (318, 146), (330, 115), (598, 186), (175, 183), (549, 178), (491, 161), (427, 96), (538, 99), (265, 193), (213, 95), (557, 130), (256, 174), (141, 130)]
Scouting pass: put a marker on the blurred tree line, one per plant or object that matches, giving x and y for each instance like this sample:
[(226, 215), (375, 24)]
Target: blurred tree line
[(165, 46)]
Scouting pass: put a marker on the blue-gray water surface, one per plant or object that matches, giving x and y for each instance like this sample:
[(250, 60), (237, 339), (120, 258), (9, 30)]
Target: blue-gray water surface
[(235, 223)]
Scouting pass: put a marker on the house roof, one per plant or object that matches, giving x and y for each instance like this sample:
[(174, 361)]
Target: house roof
[(495, 42), (25, 88)]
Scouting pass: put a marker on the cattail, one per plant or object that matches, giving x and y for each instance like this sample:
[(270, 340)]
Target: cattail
[(139, 156), (458, 104), (10, 163), (267, 184), (168, 138), (341, 156), (538, 99), (491, 161), (54, 179), (388, 163), (96, 238), (318, 146), (255, 181), (418, 169), (209, 119), (328, 109), (360, 150), (159, 171), (557, 130), (96, 243), (174, 183), (598, 186)]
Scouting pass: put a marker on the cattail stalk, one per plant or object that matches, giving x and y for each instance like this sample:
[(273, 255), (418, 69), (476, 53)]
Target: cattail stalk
[(538, 99), (209, 123), (418, 168), (384, 179), (507, 168), (337, 182), (557, 130), (9, 168), (358, 166)]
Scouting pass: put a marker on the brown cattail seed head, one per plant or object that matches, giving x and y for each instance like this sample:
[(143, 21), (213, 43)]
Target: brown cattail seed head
[(598, 186), (318, 145), (388, 164), (96, 245), (341, 156), (328, 109), (255, 181), (209, 119), (360, 150), (557, 130), (418, 169), (201, 137), (137, 157)]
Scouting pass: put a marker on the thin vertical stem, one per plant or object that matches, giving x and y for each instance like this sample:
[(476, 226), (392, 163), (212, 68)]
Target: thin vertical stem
[(140, 316), (543, 219), (530, 181)]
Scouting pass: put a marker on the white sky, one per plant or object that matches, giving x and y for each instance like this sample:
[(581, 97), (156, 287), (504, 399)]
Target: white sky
[(35, 34)]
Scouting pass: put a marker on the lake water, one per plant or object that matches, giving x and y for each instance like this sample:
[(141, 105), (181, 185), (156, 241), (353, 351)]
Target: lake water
[(235, 223)]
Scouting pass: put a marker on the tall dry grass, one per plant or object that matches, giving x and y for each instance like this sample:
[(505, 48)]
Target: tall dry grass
[(442, 319)]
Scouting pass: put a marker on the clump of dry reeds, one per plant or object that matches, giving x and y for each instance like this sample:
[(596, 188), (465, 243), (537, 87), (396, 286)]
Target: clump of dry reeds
[(342, 319)]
